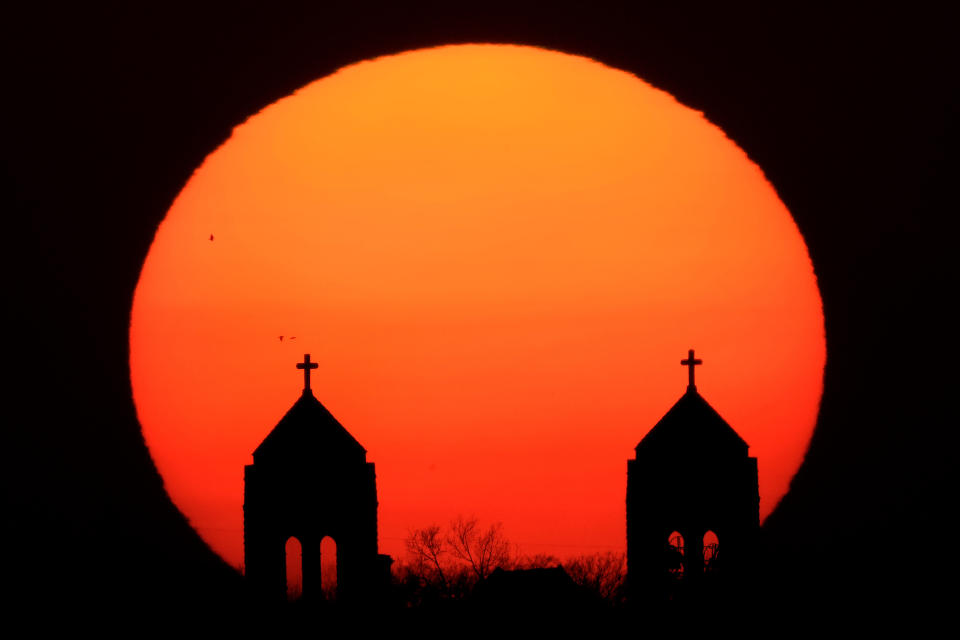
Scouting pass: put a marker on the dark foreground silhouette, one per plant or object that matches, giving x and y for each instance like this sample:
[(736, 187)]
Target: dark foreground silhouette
[(692, 522), (309, 480)]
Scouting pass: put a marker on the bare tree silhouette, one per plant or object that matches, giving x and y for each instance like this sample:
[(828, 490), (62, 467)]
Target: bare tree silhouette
[(600, 573), (427, 547), (536, 561), (447, 563), (483, 551)]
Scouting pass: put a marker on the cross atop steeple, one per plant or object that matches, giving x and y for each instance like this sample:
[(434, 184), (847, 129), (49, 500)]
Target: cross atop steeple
[(689, 362), (306, 365)]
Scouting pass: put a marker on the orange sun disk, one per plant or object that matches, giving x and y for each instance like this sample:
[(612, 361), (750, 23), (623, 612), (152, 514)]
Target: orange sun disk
[(498, 255)]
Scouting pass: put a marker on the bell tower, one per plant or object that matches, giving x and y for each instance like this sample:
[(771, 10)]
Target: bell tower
[(692, 500), (310, 479)]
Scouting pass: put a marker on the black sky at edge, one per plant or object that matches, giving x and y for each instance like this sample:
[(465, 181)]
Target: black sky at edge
[(108, 109)]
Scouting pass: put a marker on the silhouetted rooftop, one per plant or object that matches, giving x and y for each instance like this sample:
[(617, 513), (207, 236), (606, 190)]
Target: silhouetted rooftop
[(308, 428), (691, 420)]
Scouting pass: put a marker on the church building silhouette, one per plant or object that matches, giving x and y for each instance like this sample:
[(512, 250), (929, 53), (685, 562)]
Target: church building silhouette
[(692, 501), (310, 479)]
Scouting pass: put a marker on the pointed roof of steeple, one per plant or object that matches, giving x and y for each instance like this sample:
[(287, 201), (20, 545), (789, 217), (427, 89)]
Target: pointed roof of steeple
[(691, 421), (308, 427)]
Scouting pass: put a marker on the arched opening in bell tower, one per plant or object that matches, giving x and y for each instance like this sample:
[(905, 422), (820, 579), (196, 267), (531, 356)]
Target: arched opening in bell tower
[(293, 551), (711, 548), (328, 568), (674, 553)]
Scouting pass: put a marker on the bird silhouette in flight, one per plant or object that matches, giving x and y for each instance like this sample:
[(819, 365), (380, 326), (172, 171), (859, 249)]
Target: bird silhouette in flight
[(211, 237), (281, 338)]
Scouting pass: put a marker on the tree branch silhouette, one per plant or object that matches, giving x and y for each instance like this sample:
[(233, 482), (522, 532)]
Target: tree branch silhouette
[(427, 546), (483, 551), (600, 573)]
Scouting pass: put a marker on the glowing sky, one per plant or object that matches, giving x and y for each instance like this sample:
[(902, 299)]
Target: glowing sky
[(498, 255)]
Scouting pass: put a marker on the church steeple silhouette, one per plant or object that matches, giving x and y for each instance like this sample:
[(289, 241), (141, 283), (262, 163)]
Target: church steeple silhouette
[(692, 481), (310, 479)]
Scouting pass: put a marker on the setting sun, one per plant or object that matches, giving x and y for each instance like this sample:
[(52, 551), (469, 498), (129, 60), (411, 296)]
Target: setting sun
[(498, 255)]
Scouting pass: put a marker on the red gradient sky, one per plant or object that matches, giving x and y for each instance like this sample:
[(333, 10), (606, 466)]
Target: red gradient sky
[(498, 255)]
